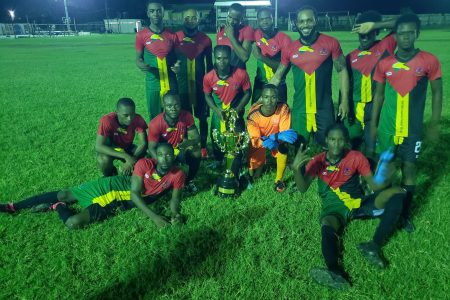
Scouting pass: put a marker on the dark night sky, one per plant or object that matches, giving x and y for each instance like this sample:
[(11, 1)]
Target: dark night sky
[(94, 10)]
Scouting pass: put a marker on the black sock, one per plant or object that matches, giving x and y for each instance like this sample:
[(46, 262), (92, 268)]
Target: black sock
[(64, 212), (388, 222), (194, 165), (49, 197), (406, 212), (203, 132), (330, 248)]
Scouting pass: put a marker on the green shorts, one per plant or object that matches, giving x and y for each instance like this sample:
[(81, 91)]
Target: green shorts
[(103, 191)]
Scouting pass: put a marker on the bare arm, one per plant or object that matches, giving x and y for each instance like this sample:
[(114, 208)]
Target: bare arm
[(244, 101), (141, 64), (276, 79), (151, 150), (193, 139), (436, 109), (344, 85), (268, 61), (367, 27), (141, 147), (242, 51), (103, 148), (303, 181)]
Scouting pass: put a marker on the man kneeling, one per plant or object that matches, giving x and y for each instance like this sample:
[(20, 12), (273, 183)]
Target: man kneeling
[(103, 197), (338, 171)]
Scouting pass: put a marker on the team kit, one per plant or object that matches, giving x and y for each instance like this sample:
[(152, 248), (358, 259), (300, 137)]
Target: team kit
[(379, 118)]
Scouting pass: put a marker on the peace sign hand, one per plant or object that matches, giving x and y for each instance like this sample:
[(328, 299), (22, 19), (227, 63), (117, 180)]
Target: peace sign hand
[(301, 158)]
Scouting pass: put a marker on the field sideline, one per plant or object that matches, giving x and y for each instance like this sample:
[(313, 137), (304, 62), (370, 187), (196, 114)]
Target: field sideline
[(261, 246)]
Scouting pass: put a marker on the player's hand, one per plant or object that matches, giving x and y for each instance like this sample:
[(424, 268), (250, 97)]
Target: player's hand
[(274, 80), (127, 169), (143, 66), (301, 158), (161, 222), (371, 143), (177, 220), (363, 28), (343, 110), (176, 67), (256, 52), (229, 31)]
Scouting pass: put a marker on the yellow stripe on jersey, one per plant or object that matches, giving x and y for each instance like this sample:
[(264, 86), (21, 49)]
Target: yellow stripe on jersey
[(223, 126), (360, 112), (366, 88), (401, 118), (269, 72), (350, 202), (310, 95), (107, 198), (191, 81), (163, 77)]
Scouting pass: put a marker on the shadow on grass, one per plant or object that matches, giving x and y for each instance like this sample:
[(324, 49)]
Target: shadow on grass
[(184, 259)]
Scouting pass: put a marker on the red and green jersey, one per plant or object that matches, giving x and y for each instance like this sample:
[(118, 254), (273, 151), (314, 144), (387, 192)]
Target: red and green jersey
[(339, 183), (312, 67), (160, 131), (155, 184), (405, 93), (191, 51), (362, 64), (157, 49), (271, 48), (120, 136), (245, 33)]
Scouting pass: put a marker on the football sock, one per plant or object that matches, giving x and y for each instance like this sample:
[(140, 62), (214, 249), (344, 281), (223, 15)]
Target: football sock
[(406, 212), (194, 165), (281, 165), (330, 248), (49, 197), (203, 132), (388, 222), (63, 211)]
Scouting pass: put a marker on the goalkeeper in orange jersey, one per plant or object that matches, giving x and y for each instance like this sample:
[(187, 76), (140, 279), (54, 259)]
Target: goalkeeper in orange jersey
[(268, 124)]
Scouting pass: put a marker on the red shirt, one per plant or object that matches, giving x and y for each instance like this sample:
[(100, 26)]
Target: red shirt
[(120, 136), (159, 130), (271, 47), (193, 47), (158, 44), (154, 184), (227, 89)]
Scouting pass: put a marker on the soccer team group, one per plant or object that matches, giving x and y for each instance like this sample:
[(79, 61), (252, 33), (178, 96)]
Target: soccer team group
[(382, 85)]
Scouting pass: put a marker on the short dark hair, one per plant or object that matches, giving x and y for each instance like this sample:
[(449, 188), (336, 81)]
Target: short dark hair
[(338, 126), (308, 7), (270, 86), (171, 93), (225, 48), (155, 2), (368, 16), (164, 144), (125, 102), (237, 7), (407, 18), (266, 9)]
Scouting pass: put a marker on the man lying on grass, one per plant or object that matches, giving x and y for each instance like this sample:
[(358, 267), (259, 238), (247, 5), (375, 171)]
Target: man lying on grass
[(104, 197), (338, 170)]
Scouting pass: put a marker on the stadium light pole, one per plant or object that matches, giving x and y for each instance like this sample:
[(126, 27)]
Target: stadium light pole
[(276, 13), (67, 16), (12, 15)]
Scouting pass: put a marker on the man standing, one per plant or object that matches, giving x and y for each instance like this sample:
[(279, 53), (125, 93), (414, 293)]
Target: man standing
[(102, 198), (268, 125), (237, 36), (155, 56), (267, 50), (177, 127), (399, 103), (361, 63), (115, 138), (226, 88), (312, 58), (193, 51)]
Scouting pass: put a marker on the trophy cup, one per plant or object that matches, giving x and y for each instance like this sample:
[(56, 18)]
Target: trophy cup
[(231, 143)]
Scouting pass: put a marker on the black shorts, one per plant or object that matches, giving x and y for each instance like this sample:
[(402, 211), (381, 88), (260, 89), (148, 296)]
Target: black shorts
[(367, 210)]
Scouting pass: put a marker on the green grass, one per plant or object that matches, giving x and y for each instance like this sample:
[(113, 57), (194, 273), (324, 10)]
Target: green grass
[(260, 246)]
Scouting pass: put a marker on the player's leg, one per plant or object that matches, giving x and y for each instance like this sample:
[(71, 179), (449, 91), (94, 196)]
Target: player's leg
[(282, 92), (256, 161), (281, 157), (193, 159), (202, 113), (257, 90), (324, 119), (153, 100), (105, 164)]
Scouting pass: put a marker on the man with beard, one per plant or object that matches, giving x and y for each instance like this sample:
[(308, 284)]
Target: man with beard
[(177, 127), (226, 88), (193, 50), (155, 57), (267, 50), (312, 58), (237, 36), (104, 197), (399, 103)]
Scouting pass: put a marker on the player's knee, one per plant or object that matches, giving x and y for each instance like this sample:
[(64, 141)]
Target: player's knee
[(75, 222), (104, 160), (63, 195)]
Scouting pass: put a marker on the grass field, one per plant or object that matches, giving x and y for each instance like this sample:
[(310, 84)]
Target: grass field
[(260, 246)]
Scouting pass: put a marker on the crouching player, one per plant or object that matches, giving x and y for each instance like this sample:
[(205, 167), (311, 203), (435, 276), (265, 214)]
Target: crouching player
[(268, 125), (338, 171), (102, 198)]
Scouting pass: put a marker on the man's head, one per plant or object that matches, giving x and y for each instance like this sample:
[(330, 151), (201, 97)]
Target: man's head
[(269, 99), (126, 111), (172, 105), (236, 14), (190, 17), (222, 55), (336, 139), (165, 157), (367, 40), (407, 28), (265, 19), (306, 21), (155, 11)]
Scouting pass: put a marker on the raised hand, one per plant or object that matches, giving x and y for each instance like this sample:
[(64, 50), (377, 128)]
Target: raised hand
[(301, 158)]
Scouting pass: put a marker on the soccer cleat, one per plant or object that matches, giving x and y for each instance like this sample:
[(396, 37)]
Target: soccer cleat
[(280, 186), (191, 188), (204, 153), (407, 225), (7, 208), (372, 254), (329, 278)]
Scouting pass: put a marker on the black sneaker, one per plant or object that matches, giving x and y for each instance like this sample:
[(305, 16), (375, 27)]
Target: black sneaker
[(407, 225), (7, 208), (279, 186), (372, 254), (329, 278)]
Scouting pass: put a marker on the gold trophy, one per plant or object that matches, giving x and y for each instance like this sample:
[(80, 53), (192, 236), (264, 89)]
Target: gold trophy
[(231, 143)]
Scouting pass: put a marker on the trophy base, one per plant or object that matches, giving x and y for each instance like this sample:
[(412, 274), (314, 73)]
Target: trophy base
[(226, 187)]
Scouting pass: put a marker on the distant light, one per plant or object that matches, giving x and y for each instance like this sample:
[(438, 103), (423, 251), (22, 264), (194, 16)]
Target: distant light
[(11, 14)]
